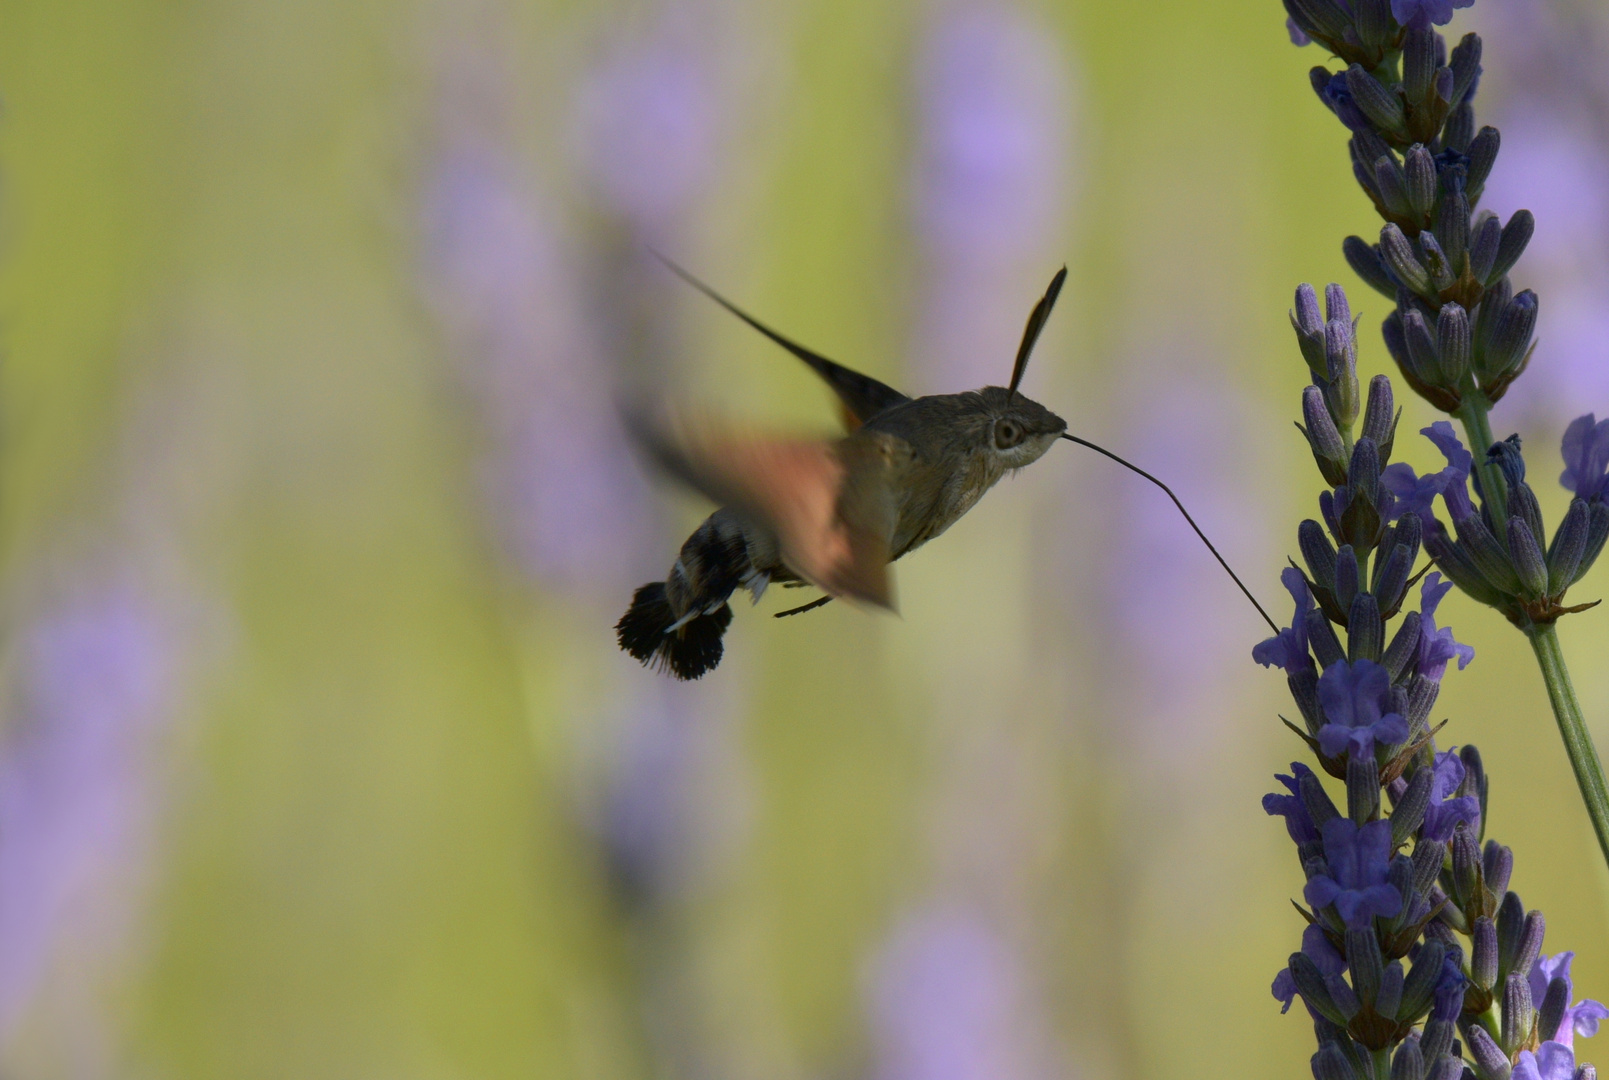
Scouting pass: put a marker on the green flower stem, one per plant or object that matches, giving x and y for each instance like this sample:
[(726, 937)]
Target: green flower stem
[(1478, 430), (1573, 726)]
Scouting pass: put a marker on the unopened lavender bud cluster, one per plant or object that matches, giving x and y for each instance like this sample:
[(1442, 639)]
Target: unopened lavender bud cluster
[(1417, 959)]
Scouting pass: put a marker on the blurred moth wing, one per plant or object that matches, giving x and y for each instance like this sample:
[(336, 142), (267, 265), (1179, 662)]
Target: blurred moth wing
[(828, 503)]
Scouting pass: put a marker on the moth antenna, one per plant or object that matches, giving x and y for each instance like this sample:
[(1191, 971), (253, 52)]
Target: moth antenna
[(1130, 465), (1030, 333)]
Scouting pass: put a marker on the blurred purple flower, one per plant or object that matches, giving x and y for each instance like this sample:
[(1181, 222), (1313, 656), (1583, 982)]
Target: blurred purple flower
[(1436, 646), (557, 475), (991, 184), (1354, 697), (76, 800), (1298, 822), (1288, 649), (1445, 812), (1297, 37), (1355, 881), (649, 129), (1586, 456), (949, 1002), (1582, 1018)]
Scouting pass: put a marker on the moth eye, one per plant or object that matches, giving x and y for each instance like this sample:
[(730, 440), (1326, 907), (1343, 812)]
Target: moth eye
[(1006, 434)]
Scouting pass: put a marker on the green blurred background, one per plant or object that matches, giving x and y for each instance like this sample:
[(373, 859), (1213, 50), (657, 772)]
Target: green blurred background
[(317, 758)]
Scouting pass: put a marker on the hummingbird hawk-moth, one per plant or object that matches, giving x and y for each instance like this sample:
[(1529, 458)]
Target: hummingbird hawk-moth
[(833, 513)]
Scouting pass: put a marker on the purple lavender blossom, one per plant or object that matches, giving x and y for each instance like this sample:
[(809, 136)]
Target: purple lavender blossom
[(1355, 883), (1436, 646), (1354, 697), (1586, 456), (1316, 945), (1421, 12), (1297, 37), (76, 803), (1298, 822), (1445, 812), (1581, 1018), (948, 1002), (1551, 1061), (1288, 649), (1417, 493)]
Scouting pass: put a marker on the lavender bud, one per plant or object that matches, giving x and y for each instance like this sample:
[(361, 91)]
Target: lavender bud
[(1586, 1072), (1408, 1063), (1452, 230), (1418, 64), (1437, 264), (1474, 779), (1388, 999), (1320, 18), (1516, 235), (1428, 858), (1380, 416), (1318, 553), (1448, 1066), (1317, 801), (1304, 688), (1511, 336), (1569, 544), (1466, 65), (1392, 186), (1528, 560), (1419, 178), (1336, 307), (1519, 1013), (1522, 504), (1490, 1061), (1493, 302), (1421, 698), (1510, 932), (1391, 577), (1383, 107), (1483, 953), (1364, 259), (1550, 1014), (1444, 86), (1341, 360), (1397, 342), (1328, 449), (1484, 240), (1363, 472), (1422, 349), (1398, 254), (1309, 327), (1420, 986), (1497, 865), (1362, 790), (1330, 1064), (1366, 963), (1452, 342), (1477, 541), (1310, 984), (1530, 946), (1482, 156), (1365, 630), (1597, 533), (1404, 646), (1346, 577), (1434, 1043), (1459, 129), (1375, 25), (1408, 814), (1466, 869), (1321, 635)]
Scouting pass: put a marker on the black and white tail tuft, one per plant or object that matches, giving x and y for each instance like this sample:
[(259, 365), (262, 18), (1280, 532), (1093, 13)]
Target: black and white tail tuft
[(686, 652)]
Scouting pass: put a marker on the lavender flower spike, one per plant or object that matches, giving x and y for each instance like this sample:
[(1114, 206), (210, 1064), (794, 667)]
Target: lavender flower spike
[(1446, 813), (1586, 456), (1436, 646), (1356, 882), (1288, 649), (1354, 698)]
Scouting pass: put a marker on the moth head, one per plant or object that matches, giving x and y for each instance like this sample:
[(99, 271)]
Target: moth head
[(1020, 429)]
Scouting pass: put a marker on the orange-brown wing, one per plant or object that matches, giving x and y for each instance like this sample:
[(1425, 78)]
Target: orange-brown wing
[(827, 501)]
